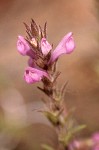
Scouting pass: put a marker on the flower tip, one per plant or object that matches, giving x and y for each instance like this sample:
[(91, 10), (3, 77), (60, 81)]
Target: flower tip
[(20, 37), (70, 44), (70, 33), (28, 80), (45, 46)]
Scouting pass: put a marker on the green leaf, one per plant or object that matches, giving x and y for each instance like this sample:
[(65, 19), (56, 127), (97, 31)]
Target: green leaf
[(66, 138), (52, 117), (78, 128)]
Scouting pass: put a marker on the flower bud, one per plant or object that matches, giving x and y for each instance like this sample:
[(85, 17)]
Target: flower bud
[(34, 42), (45, 46)]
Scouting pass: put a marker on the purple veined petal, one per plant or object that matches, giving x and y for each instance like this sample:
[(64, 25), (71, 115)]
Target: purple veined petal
[(33, 75), (45, 46), (66, 46), (24, 48)]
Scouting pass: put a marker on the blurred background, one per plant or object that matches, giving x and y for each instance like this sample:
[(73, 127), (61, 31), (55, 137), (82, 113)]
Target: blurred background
[(22, 128)]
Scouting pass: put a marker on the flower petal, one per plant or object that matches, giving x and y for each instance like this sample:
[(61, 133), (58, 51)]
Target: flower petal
[(24, 48), (33, 75), (45, 46), (22, 45), (31, 62), (95, 137), (95, 141), (66, 46)]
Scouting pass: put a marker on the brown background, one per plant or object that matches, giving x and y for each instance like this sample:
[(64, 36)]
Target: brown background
[(80, 69)]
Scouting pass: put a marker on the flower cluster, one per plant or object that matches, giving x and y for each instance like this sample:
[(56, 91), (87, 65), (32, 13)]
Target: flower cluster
[(41, 55)]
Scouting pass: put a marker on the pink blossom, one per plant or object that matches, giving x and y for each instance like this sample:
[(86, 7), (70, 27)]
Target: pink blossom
[(33, 75), (45, 46), (23, 47), (96, 147), (66, 46), (95, 137)]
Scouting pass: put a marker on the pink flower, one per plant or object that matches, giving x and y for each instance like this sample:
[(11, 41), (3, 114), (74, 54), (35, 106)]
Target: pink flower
[(95, 137), (66, 46), (45, 46), (23, 47), (96, 148), (95, 140), (33, 75)]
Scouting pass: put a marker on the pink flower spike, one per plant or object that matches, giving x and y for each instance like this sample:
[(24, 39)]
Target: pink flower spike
[(45, 46), (23, 47), (33, 75), (66, 46)]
